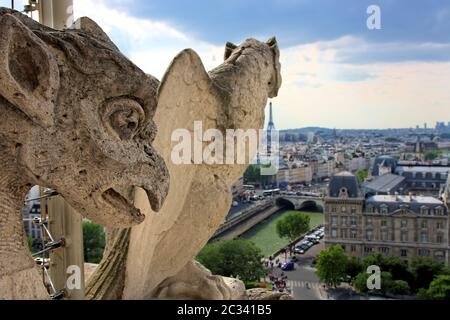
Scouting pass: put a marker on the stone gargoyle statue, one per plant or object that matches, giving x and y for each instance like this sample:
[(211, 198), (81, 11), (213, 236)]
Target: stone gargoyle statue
[(155, 259), (76, 116)]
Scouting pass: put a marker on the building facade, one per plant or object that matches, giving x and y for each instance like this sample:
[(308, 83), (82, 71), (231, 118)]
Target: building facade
[(393, 225)]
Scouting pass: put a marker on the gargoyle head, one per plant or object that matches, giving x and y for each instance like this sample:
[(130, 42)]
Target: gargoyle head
[(270, 49), (77, 116)]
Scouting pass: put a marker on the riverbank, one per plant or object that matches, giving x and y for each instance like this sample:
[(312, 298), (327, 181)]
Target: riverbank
[(265, 236)]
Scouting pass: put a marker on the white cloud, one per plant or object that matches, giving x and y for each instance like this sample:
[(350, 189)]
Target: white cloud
[(394, 94), (321, 84), (149, 43)]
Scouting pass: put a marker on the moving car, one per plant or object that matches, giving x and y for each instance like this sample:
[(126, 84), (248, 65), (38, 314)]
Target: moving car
[(288, 266)]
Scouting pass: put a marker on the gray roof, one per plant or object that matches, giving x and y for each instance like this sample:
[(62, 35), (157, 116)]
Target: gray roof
[(385, 183), (414, 203), (385, 161), (424, 169), (344, 180)]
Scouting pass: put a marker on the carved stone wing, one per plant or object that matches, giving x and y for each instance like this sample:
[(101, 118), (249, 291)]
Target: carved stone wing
[(186, 94)]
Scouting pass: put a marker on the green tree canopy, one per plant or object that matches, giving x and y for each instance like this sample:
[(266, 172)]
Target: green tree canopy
[(431, 155), (439, 288), (362, 175), (425, 270), (93, 242), (233, 258), (293, 225), (354, 267), (332, 266)]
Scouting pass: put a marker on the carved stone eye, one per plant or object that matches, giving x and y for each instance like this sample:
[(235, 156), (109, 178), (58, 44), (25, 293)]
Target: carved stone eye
[(124, 118)]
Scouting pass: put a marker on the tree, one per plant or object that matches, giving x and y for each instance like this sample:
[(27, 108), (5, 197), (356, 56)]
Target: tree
[(233, 258), (93, 242), (30, 243), (399, 287), (332, 266), (425, 270), (362, 175), (253, 174), (398, 268), (431, 155), (439, 289), (360, 282), (293, 225), (354, 267)]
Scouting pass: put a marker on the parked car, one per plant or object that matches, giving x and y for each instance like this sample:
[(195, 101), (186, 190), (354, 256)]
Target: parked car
[(312, 238), (288, 266), (301, 249)]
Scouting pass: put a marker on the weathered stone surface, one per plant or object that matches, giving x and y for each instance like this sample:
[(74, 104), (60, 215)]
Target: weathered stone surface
[(232, 96), (263, 294), (75, 116)]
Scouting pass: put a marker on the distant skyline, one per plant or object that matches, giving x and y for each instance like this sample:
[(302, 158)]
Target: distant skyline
[(336, 72)]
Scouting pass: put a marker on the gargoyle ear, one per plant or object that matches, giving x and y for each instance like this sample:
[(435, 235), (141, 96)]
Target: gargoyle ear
[(229, 48), (90, 27), (29, 74), (272, 42)]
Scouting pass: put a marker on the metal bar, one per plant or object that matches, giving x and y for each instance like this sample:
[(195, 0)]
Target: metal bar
[(49, 279), (47, 195), (49, 247), (48, 232)]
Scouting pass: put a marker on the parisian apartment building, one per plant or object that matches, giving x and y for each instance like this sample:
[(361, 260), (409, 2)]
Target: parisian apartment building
[(389, 215)]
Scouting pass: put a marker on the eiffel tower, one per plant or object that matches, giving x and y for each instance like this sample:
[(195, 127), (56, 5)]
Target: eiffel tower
[(270, 128)]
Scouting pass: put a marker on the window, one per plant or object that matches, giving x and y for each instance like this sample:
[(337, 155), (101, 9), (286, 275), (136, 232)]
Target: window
[(404, 253), (384, 250), (424, 237), (424, 224), (439, 211), (369, 221), (424, 210), (404, 223), (440, 238), (353, 211), (334, 221), (343, 248), (334, 233), (404, 236), (424, 252), (439, 225), (353, 248), (384, 209), (353, 234), (333, 209), (353, 221), (368, 249), (383, 223), (369, 235), (344, 221), (384, 235)]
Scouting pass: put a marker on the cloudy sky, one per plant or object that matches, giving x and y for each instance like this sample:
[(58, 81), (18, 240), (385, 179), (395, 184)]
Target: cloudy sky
[(336, 72)]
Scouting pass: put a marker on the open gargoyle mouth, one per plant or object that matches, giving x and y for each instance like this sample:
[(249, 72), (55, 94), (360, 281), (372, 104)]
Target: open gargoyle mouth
[(122, 198)]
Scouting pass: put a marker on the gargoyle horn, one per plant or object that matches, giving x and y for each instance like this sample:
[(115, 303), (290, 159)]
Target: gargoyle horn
[(229, 48), (93, 29), (29, 74)]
